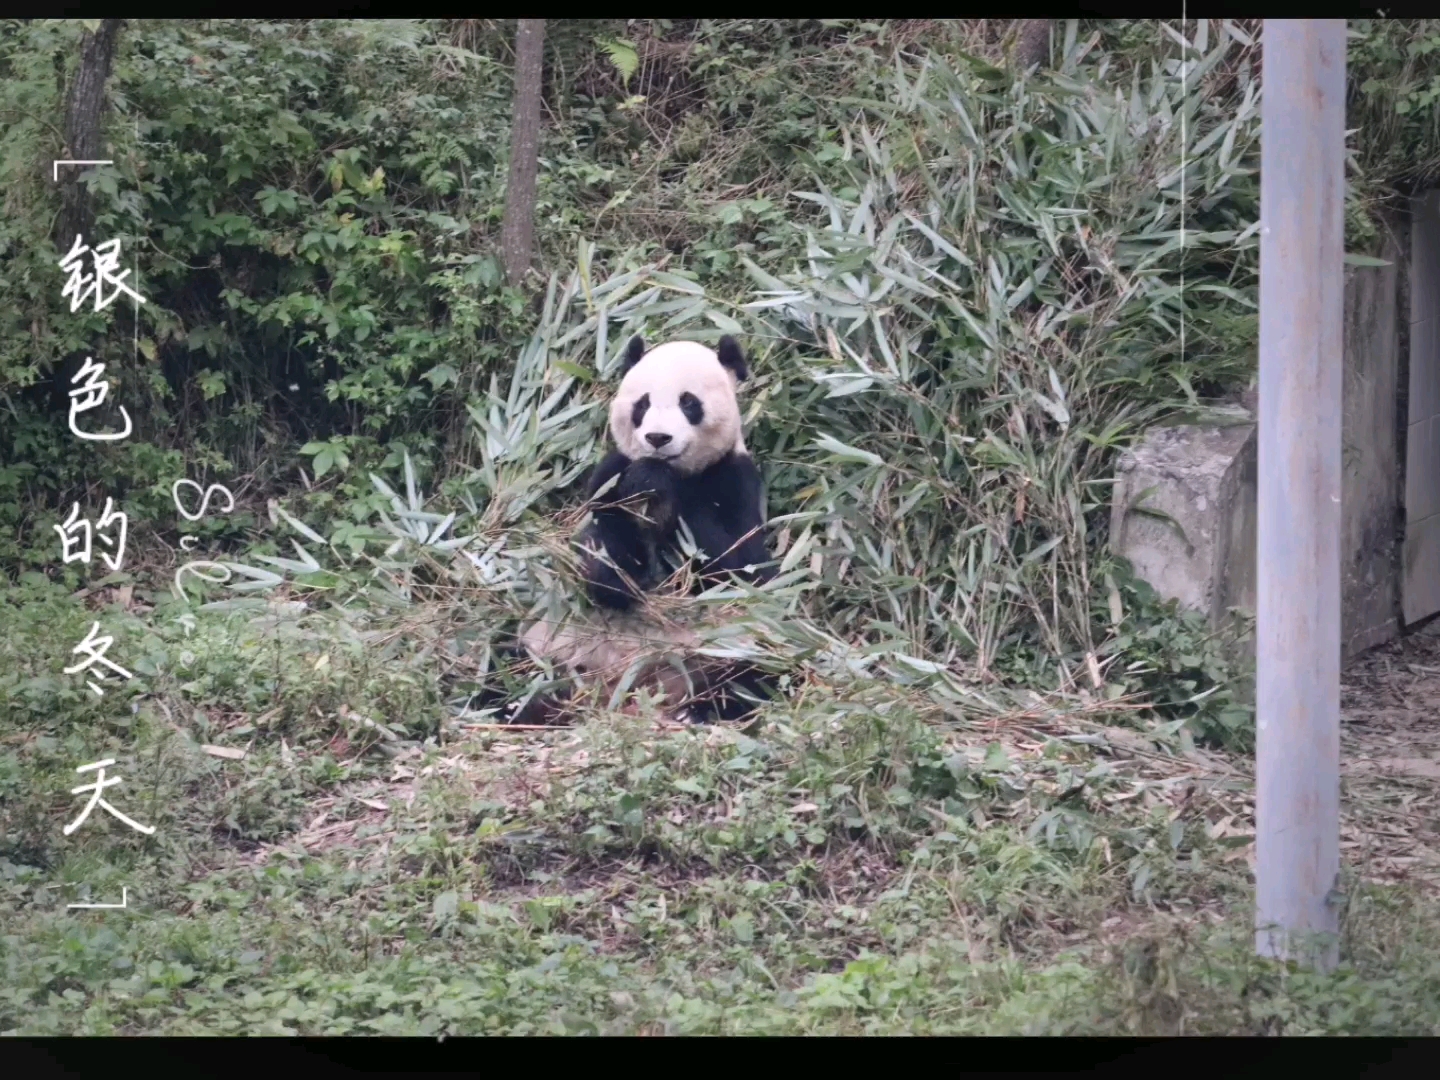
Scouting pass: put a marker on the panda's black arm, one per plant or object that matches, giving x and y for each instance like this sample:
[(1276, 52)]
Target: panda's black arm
[(619, 535), (603, 581), (613, 464), (631, 520), (723, 513)]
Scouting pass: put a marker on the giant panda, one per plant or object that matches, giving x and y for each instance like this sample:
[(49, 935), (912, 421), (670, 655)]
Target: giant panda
[(679, 455)]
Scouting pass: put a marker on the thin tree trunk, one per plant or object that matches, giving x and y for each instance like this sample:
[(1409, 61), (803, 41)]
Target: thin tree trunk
[(1032, 43), (84, 110), (84, 113), (517, 233)]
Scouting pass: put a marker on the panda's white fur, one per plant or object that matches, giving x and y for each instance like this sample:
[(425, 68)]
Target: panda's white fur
[(663, 375)]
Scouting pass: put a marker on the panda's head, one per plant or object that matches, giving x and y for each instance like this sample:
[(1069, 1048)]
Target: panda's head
[(677, 403)]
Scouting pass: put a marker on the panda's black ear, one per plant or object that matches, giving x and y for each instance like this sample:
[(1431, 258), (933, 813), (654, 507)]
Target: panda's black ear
[(732, 359), (633, 352)]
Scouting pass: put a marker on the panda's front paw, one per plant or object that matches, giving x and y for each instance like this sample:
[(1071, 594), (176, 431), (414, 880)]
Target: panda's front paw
[(648, 474), (654, 487)]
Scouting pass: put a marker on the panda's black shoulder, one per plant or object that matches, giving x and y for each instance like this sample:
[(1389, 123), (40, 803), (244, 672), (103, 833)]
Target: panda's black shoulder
[(734, 466), (732, 483)]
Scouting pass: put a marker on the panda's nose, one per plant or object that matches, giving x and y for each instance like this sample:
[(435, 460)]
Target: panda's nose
[(657, 439)]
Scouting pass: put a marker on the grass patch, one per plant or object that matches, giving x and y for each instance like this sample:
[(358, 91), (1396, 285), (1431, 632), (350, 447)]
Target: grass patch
[(856, 862)]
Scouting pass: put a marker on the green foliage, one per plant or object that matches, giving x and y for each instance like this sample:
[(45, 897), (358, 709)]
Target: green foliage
[(311, 209), (990, 306), (1394, 75), (1187, 670), (995, 312), (842, 869), (961, 293), (298, 200)]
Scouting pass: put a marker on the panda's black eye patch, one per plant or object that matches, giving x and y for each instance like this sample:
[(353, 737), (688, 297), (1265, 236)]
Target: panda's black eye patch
[(639, 409), (691, 407)]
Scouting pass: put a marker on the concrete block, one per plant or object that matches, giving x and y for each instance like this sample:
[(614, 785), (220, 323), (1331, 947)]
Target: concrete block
[(1204, 479), (1422, 568), (1184, 514)]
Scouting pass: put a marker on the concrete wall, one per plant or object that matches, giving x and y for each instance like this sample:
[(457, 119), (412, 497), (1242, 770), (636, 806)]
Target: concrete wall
[(1420, 583), (1370, 495)]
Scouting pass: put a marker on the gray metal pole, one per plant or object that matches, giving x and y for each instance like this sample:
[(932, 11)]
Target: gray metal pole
[(1302, 246)]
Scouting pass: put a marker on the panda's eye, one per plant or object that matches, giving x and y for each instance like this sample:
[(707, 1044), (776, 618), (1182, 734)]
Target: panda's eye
[(691, 407), (639, 409)]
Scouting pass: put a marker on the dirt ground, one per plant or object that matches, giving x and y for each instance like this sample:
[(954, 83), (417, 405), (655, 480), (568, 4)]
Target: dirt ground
[(1390, 761)]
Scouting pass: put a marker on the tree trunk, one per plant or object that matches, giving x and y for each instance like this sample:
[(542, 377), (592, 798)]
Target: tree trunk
[(84, 109), (517, 233), (1032, 43)]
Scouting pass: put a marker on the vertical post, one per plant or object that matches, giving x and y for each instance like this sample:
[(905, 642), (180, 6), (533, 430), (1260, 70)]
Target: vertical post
[(1302, 244)]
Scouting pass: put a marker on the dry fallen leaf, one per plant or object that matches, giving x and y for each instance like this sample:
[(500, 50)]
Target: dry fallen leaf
[(224, 752), (1411, 766)]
